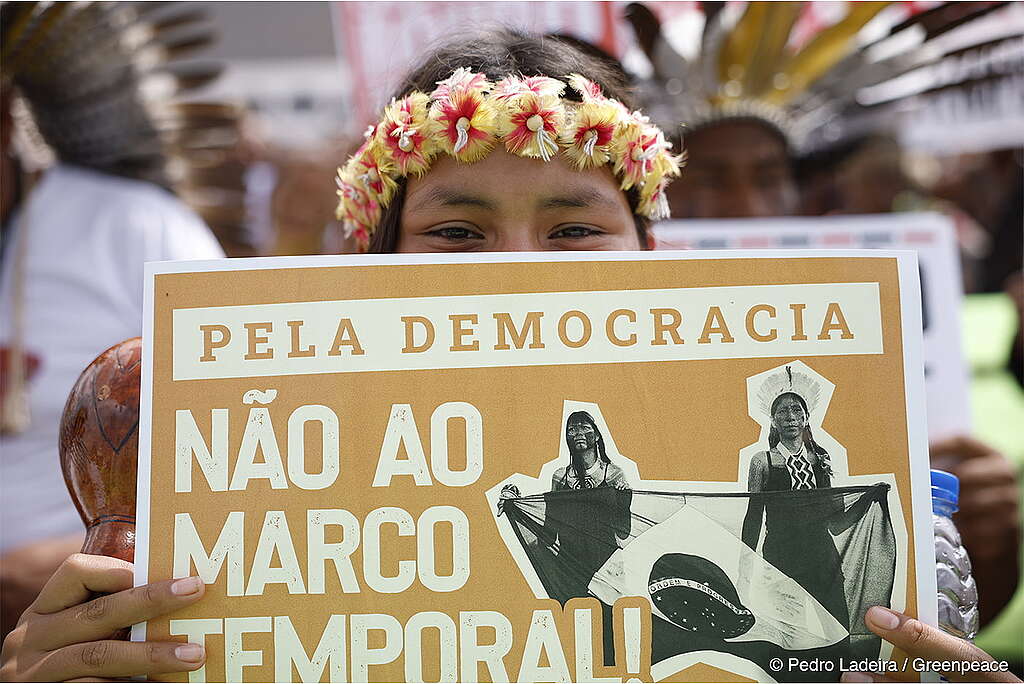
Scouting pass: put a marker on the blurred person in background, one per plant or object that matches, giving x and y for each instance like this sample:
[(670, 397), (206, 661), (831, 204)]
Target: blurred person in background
[(302, 201), (75, 241), (871, 176), (738, 150), (739, 168), (748, 101), (982, 194), (990, 187)]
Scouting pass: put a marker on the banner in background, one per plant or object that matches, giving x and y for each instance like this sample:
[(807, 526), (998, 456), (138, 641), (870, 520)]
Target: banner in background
[(535, 467), (381, 41)]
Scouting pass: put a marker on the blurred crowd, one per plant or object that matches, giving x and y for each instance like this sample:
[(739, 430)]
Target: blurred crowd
[(76, 233)]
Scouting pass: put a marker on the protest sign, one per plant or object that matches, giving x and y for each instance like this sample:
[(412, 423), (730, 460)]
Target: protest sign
[(535, 467), (930, 235)]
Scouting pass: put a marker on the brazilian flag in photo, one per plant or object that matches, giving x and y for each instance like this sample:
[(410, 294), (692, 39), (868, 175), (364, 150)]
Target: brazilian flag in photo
[(826, 556)]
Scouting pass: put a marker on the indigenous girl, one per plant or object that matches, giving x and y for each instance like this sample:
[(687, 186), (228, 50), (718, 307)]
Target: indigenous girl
[(585, 528), (797, 539), (508, 142), (498, 142), (589, 466)]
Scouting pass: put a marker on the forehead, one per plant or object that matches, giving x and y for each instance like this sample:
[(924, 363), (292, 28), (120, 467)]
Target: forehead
[(787, 400), (735, 143), (504, 178)]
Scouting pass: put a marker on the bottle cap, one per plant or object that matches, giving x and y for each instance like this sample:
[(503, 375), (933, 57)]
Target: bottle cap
[(945, 486)]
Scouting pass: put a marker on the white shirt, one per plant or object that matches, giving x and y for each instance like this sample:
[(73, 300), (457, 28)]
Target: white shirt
[(88, 235)]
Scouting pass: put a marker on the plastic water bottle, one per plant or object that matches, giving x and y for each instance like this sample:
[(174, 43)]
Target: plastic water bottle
[(958, 594)]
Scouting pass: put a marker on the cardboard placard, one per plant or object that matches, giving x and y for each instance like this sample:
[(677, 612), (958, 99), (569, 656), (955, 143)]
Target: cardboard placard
[(535, 467)]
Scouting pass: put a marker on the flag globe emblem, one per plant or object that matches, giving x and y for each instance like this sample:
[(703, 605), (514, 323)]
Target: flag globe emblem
[(697, 596)]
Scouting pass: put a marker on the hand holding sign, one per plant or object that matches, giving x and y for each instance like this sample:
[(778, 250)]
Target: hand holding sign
[(926, 644), (64, 635)]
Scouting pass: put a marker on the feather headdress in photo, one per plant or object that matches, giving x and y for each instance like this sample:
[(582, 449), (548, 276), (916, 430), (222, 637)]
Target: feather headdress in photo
[(788, 380)]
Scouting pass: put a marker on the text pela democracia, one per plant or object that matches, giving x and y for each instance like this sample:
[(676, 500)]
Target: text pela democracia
[(572, 329)]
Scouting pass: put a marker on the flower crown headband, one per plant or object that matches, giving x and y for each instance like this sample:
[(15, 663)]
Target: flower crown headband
[(467, 115)]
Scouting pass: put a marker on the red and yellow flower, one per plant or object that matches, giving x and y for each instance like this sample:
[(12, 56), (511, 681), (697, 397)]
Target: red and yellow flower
[(589, 132), (357, 210), (373, 168), (468, 124), (541, 86), (532, 126), (653, 201), (636, 149), (406, 133), (462, 80)]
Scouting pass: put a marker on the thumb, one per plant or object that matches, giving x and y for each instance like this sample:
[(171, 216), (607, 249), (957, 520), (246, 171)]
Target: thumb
[(919, 640)]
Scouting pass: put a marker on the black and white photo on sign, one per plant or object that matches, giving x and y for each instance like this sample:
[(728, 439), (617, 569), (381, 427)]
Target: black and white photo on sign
[(589, 466), (734, 571)]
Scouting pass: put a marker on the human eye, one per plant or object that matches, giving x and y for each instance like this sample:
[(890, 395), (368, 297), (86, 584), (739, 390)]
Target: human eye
[(575, 232), (455, 233)]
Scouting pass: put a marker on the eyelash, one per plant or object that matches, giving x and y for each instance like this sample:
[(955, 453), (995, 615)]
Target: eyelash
[(588, 232), (462, 233), (445, 232)]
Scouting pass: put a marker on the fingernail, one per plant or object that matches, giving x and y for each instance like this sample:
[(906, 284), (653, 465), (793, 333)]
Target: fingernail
[(855, 677), (189, 653), (186, 586), (883, 618)]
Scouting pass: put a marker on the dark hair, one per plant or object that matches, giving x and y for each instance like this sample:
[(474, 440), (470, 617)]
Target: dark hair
[(808, 439), (498, 52), (584, 417)]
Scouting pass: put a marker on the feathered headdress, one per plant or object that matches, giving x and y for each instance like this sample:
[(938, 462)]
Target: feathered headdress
[(817, 84), (785, 381), (94, 85), (98, 86)]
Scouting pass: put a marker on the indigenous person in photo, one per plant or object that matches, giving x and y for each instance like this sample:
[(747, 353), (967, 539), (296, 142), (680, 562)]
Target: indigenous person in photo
[(797, 539), (798, 534), (586, 551), (589, 469), (589, 465)]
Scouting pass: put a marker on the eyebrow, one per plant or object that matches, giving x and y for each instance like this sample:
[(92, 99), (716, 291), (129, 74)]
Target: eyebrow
[(449, 197), (578, 198)]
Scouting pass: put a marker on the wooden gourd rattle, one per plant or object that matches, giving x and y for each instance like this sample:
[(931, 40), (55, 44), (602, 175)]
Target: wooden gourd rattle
[(99, 448)]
